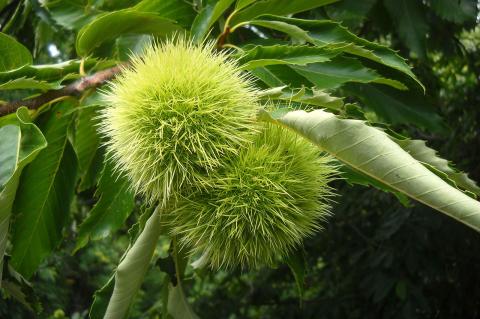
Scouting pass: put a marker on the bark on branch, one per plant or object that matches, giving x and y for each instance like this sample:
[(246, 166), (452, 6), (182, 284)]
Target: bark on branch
[(72, 89)]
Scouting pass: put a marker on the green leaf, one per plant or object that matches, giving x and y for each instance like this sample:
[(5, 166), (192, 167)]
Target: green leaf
[(207, 17), (178, 306), (179, 11), (284, 54), (112, 209), (46, 188), (243, 3), (304, 96), (322, 32), (20, 144), (421, 152), (341, 70), (297, 264), (132, 269), (396, 107), (412, 27), (71, 14), (29, 83), (277, 7), (353, 176), (372, 152), (50, 72), (351, 13), (100, 299), (12, 54), (458, 11), (9, 149), (110, 25), (86, 140), (266, 76)]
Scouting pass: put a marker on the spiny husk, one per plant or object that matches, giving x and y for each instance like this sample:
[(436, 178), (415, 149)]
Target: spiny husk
[(262, 205), (175, 115)]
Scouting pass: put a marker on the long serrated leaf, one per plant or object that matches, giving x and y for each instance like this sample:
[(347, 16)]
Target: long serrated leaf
[(112, 209), (131, 270), (341, 70), (29, 83), (20, 144), (421, 152), (459, 11), (353, 176), (322, 32), (305, 96), (411, 22), (351, 13), (50, 72), (280, 7), (372, 152), (46, 188), (284, 54)]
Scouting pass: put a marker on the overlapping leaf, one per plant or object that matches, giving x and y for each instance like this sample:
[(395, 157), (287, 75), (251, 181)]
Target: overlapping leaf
[(115, 204), (421, 152), (110, 25), (259, 56), (459, 11), (29, 83), (50, 72), (131, 270), (397, 107), (373, 153), (322, 32), (305, 96), (252, 9), (412, 27), (43, 199), (20, 143), (207, 17)]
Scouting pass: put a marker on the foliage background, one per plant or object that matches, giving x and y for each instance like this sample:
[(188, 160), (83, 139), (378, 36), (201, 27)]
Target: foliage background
[(375, 258)]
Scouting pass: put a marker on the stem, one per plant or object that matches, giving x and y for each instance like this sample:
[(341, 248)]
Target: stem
[(73, 89)]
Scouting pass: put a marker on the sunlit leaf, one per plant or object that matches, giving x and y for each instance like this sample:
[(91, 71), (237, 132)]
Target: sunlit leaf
[(321, 32), (373, 153), (131, 270), (128, 21), (208, 16)]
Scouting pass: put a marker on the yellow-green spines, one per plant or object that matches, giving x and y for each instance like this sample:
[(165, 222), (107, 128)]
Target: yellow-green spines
[(262, 205), (175, 115)]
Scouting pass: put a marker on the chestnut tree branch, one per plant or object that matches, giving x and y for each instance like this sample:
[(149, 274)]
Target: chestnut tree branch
[(73, 89)]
